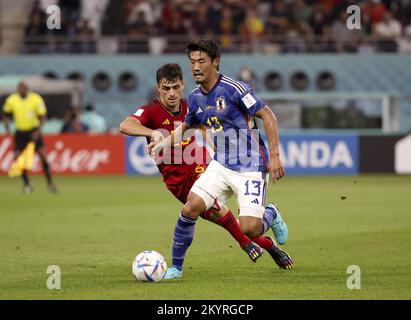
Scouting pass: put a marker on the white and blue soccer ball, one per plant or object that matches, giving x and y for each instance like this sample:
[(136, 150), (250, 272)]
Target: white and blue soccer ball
[(149, 266)]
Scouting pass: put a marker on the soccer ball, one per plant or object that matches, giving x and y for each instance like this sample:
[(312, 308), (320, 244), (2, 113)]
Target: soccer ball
[(149, 266)]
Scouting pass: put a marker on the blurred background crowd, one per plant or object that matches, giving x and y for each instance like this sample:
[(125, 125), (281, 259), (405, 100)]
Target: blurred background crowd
[(248, 26)]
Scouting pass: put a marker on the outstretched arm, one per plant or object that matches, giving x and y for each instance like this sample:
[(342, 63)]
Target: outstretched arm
[(133, 127), (271, 129), (174, 138)]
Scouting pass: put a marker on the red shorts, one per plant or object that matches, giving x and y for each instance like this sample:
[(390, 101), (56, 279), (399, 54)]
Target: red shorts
[(181, 190)]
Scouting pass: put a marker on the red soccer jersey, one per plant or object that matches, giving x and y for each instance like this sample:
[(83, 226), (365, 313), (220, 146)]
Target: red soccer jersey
[(156, 116)]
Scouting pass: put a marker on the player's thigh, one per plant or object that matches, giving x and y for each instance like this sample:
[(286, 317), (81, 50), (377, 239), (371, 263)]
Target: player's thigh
[(212, 186), (250, 189), (21, 140), (181, 190)]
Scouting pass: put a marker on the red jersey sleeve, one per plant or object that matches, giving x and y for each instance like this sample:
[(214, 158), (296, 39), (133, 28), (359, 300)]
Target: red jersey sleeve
[(143, 115)]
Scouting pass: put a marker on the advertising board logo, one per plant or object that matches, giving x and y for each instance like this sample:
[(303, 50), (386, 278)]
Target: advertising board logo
[(138, 161)]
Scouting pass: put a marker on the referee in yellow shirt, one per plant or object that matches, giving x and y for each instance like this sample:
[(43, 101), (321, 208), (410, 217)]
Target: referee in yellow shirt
[(28, 111)]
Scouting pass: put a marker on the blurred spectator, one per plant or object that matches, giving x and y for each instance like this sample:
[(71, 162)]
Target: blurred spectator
[(84, 42), (113, 22), (374, 8), (95, 122), (345, 38), (37, 10), (44, 4), (71, 8), (214, 13), (226, 30), (387, 33), (238, 10), (293, 42), (251, 31), (138, 32), (278, 20), (316, 30), (250, 25), (405, 43), (93, 11), (174, 30), (200, 24), (72, 122), (35, 30), (138, 6), (301, 13)]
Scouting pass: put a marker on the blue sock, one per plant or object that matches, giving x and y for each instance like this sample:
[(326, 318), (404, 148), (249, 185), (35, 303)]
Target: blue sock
[(269, 215), (183, 236)]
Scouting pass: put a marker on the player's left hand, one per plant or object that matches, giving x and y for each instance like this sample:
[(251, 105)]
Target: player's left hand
[(275, 168), (154, 147)]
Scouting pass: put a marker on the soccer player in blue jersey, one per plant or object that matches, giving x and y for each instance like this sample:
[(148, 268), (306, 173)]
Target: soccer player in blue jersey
[(241, 163)]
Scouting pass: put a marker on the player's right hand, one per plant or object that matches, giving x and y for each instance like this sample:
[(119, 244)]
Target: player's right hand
[(156, 136)]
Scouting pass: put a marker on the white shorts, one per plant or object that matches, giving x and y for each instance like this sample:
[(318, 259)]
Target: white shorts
[(217, 184)]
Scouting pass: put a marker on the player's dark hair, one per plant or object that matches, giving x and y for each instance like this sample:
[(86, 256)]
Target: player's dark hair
[(210, 47), (169, 72)]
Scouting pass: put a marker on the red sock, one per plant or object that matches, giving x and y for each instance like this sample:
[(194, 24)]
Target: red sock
[(229, 223), (263, 242)]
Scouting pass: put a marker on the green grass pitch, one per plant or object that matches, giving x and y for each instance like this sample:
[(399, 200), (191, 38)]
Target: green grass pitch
[(93, 228)]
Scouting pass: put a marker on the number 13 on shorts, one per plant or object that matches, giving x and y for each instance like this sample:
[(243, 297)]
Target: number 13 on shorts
[(256, 190)]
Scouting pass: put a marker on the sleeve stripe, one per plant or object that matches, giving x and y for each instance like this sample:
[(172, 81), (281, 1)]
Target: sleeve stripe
[(235, 82), (233, 85)]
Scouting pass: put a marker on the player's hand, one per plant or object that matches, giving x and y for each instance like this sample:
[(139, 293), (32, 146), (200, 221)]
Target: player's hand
[(156, 136), (154, 148), (150, 147), (275, 168)]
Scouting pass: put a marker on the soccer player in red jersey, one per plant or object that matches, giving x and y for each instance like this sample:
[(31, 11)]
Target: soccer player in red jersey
[(164, 115)]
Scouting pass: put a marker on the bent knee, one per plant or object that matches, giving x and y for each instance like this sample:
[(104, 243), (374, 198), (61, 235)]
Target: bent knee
[(251, 231), (194, 206)]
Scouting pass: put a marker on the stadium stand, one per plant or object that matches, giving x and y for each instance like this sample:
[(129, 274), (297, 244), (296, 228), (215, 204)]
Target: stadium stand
[(271, 33)]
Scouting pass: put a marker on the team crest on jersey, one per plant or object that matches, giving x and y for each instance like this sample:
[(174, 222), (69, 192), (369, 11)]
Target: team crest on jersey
[(220, 104)]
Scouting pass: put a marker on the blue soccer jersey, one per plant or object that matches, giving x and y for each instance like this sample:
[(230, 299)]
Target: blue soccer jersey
[(227, 111)]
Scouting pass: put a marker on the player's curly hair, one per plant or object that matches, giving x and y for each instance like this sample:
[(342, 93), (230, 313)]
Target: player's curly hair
[(210, 47), (169, 72)]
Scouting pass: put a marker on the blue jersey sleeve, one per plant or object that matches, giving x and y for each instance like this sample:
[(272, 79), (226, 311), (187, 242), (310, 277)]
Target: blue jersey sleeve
[(191, 118), (249, 101)]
